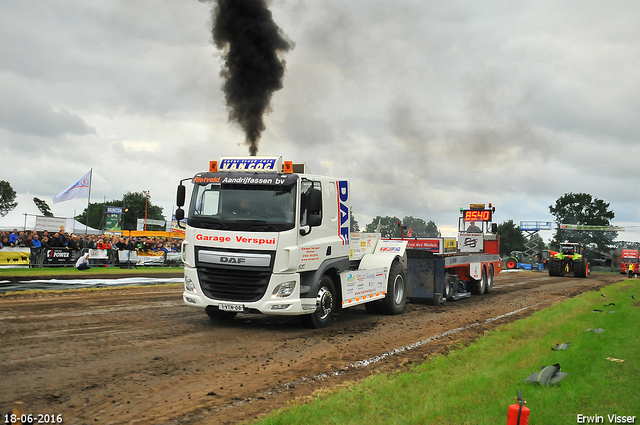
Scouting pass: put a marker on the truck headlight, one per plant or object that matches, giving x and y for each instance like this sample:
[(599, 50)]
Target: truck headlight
[(284, 289), (189, 285)]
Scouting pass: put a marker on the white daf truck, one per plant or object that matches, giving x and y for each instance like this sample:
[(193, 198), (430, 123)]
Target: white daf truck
[(264, 236)]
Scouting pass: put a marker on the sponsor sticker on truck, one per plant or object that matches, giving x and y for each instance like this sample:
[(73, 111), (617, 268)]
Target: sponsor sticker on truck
[(359, 286), (388, 246)]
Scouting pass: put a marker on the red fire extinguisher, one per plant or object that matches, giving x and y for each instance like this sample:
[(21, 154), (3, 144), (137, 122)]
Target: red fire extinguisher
[(518, 414)]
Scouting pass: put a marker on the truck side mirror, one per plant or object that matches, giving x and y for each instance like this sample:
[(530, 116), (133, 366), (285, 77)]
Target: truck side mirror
[(314, 201), (179, 214), (314, 220), (182, 190)]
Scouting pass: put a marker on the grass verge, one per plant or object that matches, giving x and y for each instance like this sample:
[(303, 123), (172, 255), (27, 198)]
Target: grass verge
[(7, 273), (476, 384)]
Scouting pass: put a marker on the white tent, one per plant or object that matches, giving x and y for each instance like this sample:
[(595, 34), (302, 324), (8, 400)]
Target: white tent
[(23, 217), (74, 226)]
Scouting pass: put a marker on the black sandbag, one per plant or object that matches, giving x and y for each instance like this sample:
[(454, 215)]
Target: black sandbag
[(548, 375)]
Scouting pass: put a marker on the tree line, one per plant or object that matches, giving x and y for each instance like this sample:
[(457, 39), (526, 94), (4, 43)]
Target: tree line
[(570, 208)]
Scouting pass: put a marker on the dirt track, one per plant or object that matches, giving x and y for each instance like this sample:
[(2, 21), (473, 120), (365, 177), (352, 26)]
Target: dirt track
[(140, 356)]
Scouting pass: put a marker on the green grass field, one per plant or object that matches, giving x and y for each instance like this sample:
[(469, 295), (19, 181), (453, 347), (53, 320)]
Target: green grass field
[(23, 272), (477, 383)]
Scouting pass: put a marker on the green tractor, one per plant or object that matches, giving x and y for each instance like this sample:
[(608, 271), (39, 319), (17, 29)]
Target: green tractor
[(570, 261), (513, 260)]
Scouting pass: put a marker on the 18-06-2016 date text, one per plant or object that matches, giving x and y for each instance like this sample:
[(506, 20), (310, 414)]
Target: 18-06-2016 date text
[(45, 418)]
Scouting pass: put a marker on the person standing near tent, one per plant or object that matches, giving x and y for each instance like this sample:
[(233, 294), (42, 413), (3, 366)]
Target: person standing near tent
[(36, 247), (64, 242), (13, 238), (45, 245), (83, 262)]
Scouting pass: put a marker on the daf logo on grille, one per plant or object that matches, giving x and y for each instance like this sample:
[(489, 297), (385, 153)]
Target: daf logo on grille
[(233, 260)]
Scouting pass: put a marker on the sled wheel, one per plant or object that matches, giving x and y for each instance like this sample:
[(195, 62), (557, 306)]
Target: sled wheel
[(489, 287), (447, 287), (478, 286)]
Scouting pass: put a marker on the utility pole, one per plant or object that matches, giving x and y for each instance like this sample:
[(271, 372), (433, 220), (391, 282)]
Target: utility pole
[(146, 203)]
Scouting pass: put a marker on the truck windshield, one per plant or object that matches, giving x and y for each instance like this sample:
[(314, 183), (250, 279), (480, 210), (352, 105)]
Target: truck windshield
[(257, 208)]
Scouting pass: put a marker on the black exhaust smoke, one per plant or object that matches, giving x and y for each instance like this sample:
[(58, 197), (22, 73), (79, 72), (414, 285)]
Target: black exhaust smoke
[(252, 44)]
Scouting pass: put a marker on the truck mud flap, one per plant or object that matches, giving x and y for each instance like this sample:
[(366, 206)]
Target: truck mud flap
[(425, 277)]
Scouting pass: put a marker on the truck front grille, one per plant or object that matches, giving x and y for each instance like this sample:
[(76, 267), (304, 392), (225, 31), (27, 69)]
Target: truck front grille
[(235, 284)]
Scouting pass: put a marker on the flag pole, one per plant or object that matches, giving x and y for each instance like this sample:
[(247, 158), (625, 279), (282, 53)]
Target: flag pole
[(86, 222)]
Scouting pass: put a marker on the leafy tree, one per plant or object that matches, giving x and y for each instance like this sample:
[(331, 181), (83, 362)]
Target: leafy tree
[(133, 204), (388, 226), (582, 208), (43, 207), (7, 198), (511, 238), (355, 227), (420, 228), (627, 245)]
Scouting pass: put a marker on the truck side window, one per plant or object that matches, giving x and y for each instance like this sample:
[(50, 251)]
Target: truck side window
[(207, 201), (305, 185)]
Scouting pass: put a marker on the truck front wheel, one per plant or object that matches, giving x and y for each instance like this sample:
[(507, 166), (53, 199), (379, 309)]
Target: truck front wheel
[(395, 299), (326, 305)]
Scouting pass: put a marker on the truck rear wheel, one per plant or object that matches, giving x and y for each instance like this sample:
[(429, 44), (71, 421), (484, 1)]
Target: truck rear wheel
[(217, 315), (395, 299), (326, 305), (489, 287)]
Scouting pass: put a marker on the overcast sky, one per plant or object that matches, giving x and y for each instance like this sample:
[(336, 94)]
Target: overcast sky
[(426, 106)]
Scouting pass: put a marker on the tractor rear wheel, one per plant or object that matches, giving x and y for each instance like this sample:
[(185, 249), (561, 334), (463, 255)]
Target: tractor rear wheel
[(555, 267), (581, 268), (511, 263)]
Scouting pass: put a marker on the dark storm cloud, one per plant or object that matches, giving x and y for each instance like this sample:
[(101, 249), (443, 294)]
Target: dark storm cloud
[(252, 44)]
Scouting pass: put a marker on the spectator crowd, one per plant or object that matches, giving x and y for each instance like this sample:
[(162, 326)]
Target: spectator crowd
[(39, 242)]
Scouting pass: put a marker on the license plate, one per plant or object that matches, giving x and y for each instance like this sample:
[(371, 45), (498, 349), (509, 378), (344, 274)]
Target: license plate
[(238, 308)]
